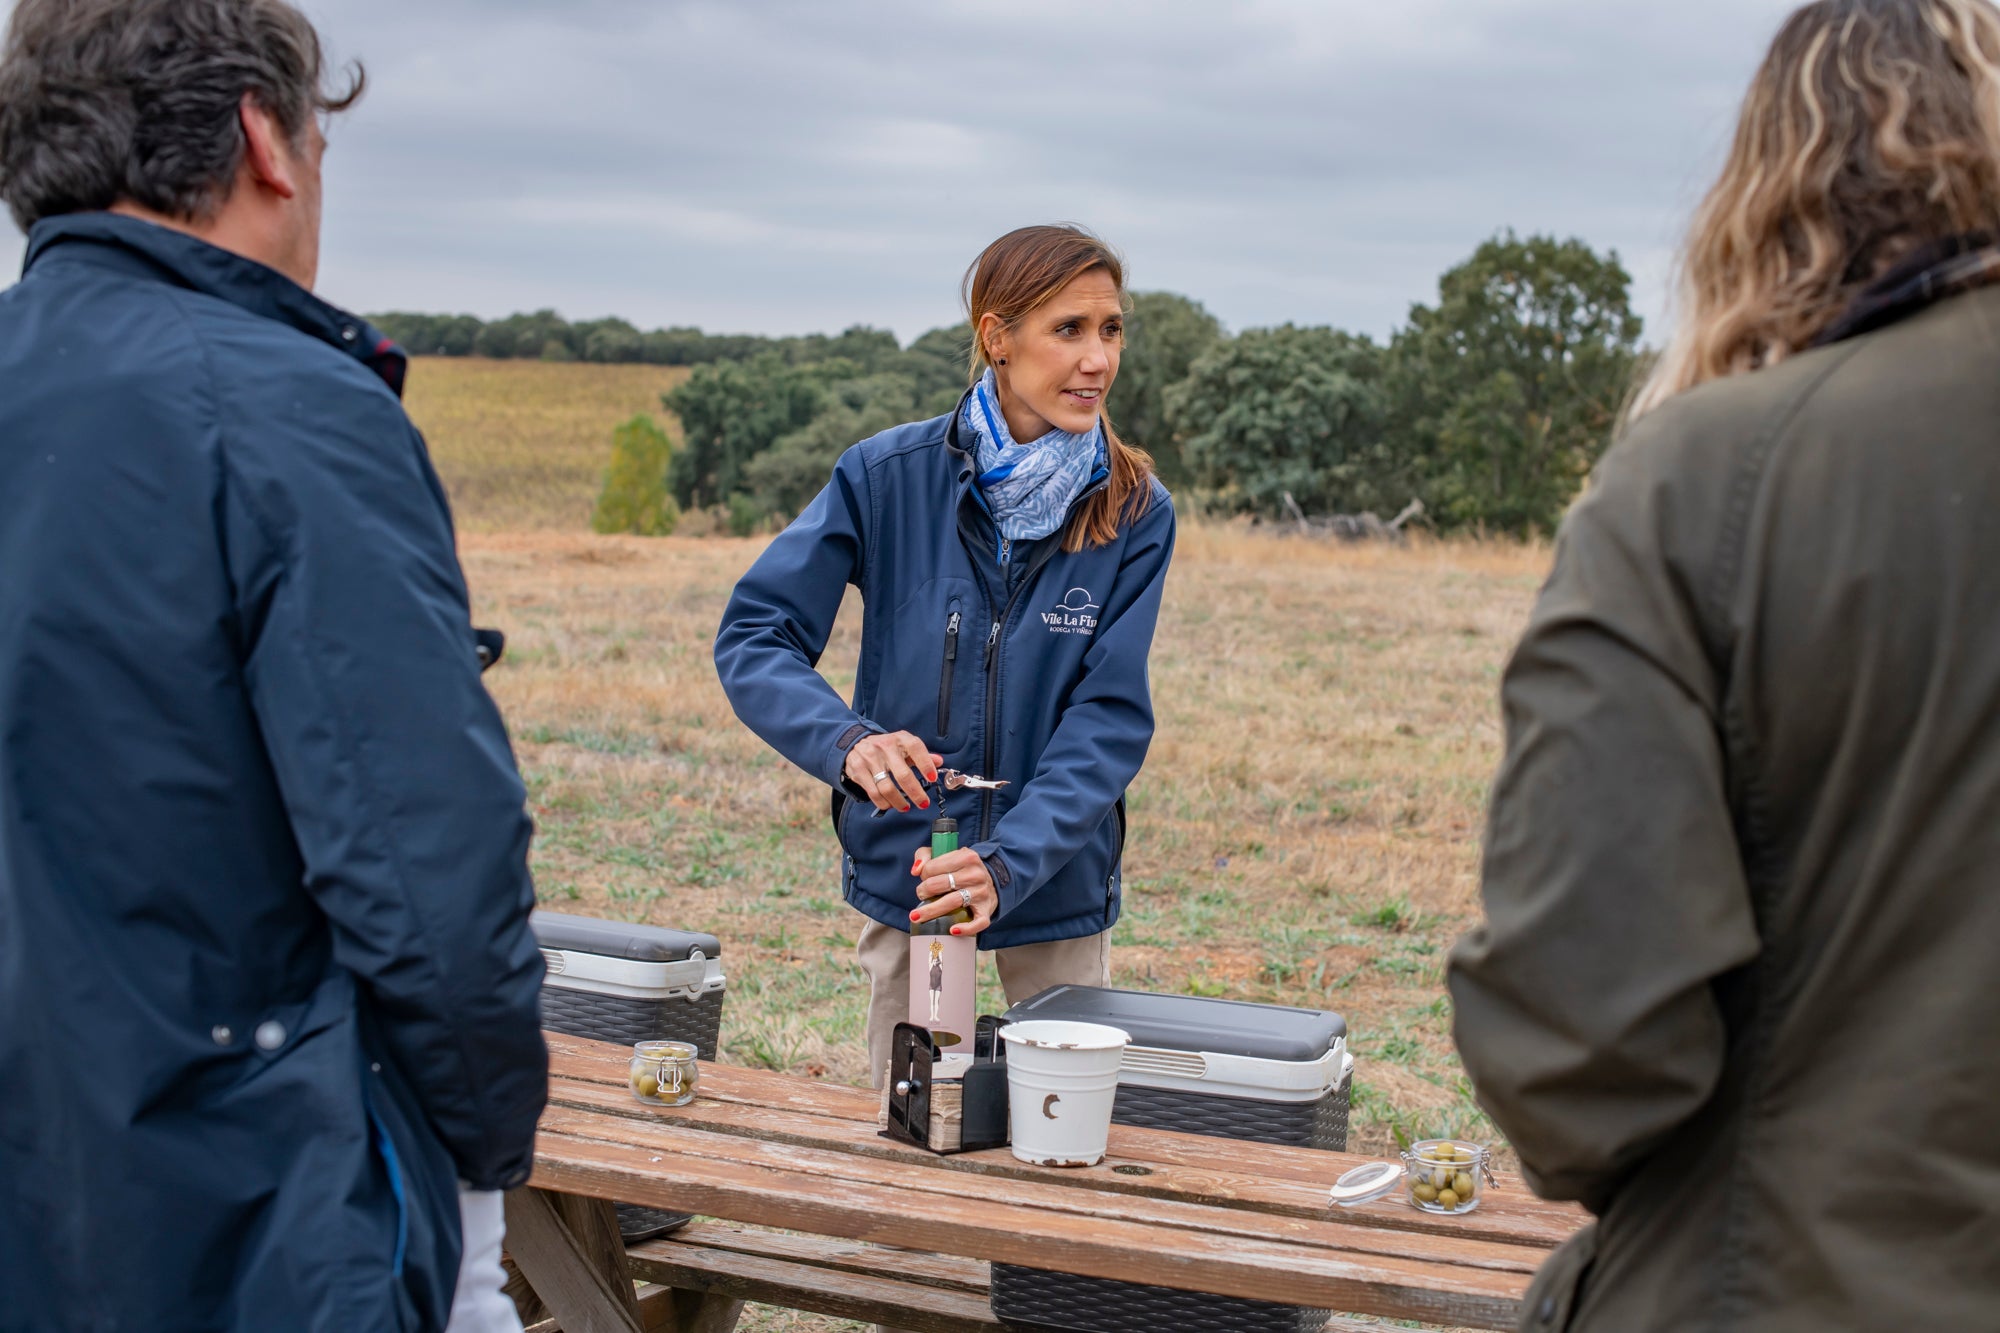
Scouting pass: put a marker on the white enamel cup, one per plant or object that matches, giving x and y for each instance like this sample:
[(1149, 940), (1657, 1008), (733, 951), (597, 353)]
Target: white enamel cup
[(1061, 1081)]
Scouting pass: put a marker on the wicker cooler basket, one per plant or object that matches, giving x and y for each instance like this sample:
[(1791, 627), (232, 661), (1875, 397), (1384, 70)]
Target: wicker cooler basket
[(1199, 1066)]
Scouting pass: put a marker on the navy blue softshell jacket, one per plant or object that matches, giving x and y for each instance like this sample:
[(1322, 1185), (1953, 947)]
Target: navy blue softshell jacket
[(267, 987), (1030, 668)]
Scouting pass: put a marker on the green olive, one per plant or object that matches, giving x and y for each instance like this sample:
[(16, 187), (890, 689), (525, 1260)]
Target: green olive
[(1447, 1198), (1441, 1177), (646, 1084), (1461, 1185), (1424, 1193), (1445, 1152)]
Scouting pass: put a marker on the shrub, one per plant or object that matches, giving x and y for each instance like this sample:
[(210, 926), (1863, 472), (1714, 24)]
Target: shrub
[(746, 516), (634, 498)]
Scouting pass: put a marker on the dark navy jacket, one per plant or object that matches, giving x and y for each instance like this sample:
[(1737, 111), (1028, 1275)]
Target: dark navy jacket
[(267, 989), (1032, 669)]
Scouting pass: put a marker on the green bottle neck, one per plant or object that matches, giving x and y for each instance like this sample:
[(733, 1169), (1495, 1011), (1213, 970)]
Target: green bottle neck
[(944, 841)]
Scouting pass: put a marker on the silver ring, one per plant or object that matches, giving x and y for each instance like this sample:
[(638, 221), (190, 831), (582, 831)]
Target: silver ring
[(951, 880), (883, 777), (965, 897)]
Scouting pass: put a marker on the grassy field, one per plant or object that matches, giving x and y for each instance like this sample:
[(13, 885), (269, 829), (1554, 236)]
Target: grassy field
[(1305, 830), (521, 445)]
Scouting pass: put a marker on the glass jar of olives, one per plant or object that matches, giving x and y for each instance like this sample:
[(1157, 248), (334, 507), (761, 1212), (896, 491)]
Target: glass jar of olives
[(664, 1073), (1445, 1175)]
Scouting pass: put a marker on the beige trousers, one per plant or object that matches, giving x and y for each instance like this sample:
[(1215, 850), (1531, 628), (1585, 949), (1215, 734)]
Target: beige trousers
[(1025, 970)]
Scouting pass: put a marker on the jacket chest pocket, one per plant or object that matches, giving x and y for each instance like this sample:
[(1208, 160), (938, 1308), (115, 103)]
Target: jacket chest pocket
[(928, 654), (954, 627)]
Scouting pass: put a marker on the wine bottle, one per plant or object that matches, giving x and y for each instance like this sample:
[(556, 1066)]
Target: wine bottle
[(943, 966)]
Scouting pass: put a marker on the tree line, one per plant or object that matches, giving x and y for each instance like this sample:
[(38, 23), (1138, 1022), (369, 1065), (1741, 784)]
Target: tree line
[(1489, 405), (545, 335)]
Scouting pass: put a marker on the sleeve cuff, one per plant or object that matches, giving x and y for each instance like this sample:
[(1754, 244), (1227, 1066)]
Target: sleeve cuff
[(1002, 877), (836, 774)]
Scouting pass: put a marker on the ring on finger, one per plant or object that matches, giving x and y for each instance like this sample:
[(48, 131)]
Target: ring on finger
[(965, 897), (951, 880), (883, 777)]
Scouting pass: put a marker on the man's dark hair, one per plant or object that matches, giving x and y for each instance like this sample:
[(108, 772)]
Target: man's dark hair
[(103, 101)]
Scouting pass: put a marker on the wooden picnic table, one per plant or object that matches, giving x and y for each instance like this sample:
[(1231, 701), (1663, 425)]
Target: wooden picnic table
[(778, 1151)]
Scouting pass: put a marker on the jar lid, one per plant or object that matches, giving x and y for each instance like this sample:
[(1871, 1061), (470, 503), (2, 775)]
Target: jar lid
[(1365, 1184)]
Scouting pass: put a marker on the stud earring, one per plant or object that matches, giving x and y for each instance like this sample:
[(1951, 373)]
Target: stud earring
[(1001, 362)]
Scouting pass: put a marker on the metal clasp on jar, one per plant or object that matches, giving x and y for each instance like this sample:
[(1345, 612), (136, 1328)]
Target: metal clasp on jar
[(664, 1072)]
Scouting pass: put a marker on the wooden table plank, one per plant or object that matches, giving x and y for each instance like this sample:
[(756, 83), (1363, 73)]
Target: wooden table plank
[(1225, 1172), (926, 1189), (922, 1267), (601, 1061), (843, 1294), (1188, 1259), (692, 1248)]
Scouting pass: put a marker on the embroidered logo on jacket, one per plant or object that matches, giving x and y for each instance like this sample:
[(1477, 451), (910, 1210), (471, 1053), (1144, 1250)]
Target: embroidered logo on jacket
[(1075, 614)]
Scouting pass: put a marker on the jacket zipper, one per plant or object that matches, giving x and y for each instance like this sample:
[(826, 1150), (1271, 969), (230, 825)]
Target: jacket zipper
[(385, 1147), (944, 677), (1117, 855), (837, 807), (992, 721), (993, 680), (993, 643)]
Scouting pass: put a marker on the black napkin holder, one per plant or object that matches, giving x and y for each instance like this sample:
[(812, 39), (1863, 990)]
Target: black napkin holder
[(919, 1110)]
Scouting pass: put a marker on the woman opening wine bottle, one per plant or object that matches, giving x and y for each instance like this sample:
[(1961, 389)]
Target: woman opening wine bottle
[(1011, 556)]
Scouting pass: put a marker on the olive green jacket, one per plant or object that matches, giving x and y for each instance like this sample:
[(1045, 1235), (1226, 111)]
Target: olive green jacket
[(1738, 985)]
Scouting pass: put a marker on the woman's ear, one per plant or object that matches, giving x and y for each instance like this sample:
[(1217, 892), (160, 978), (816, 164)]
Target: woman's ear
[(993, 339)]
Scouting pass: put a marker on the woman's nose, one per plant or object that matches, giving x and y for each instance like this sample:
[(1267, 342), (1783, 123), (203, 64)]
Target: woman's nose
[(1095, 361)]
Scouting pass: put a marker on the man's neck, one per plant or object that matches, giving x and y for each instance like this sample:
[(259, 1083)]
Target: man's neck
[(228, 230)]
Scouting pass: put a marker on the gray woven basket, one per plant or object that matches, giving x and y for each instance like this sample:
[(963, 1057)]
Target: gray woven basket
[(1035, 1297), (1038, 1299)]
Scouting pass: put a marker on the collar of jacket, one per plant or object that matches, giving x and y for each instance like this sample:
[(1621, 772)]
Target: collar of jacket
[(967, 494), (198, 266), (1926, 275)]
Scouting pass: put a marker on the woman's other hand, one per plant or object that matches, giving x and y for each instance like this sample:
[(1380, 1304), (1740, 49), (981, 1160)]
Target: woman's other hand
[(949, 882), (888, 768)]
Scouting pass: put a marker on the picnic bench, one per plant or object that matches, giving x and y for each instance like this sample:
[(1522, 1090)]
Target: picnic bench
[(812, 1210)]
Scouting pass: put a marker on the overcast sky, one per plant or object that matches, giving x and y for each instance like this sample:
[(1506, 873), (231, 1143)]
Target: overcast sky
[(784, 166)]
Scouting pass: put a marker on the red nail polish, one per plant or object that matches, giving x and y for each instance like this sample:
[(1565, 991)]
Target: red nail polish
[(954, 930), (926, 805), (915, 915)]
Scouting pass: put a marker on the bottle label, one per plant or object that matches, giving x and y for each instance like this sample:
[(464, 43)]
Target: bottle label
[(943, 977)]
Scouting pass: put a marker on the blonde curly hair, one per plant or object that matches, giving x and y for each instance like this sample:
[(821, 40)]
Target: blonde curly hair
[(1872, 127)]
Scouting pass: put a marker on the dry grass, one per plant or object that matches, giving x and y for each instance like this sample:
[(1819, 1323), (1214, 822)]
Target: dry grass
[(522, 445), (1305, 830)]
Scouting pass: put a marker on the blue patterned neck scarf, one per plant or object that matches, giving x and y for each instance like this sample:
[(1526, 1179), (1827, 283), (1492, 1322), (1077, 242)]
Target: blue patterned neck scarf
[(1029, 487)]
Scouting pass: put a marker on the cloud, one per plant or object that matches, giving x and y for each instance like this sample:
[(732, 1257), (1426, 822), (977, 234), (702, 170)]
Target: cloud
[(795, 165)]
